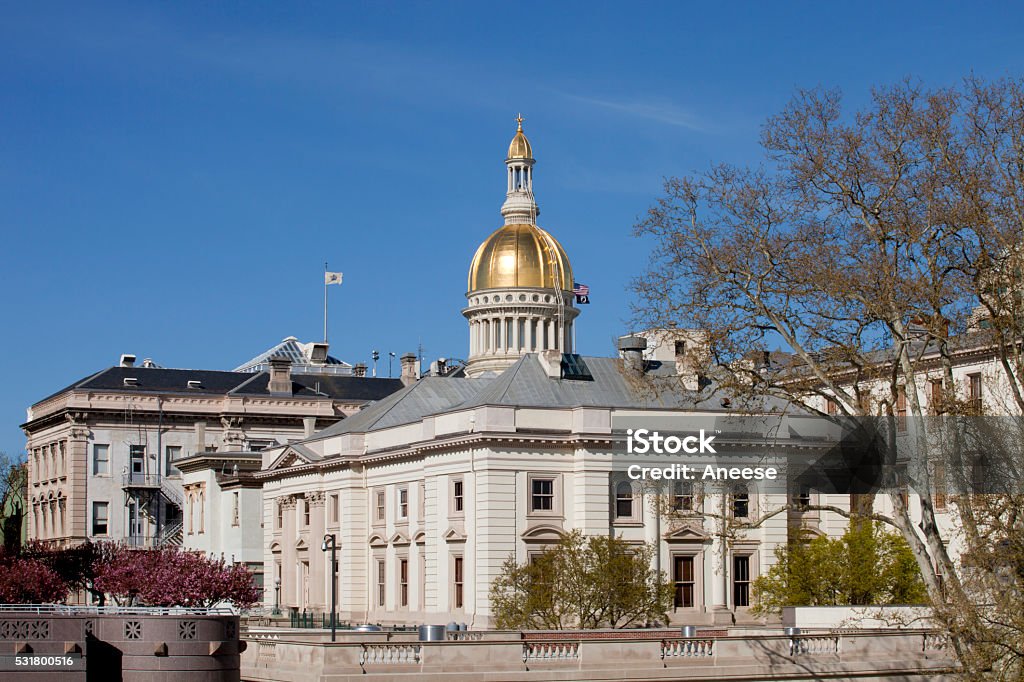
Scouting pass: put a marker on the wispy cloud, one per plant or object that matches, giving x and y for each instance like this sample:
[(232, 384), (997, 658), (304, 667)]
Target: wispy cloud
[(660, 111)]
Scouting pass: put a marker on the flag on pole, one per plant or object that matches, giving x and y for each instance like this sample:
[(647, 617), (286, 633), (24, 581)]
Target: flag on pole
[(582, 292), (332, 278)]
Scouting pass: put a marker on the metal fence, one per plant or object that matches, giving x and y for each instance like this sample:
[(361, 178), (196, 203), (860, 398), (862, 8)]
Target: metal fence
[(63, 609)]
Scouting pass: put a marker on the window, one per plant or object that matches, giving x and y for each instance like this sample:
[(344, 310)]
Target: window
[(802, 498), (234, 509), (381, 584), (137, 456), (99, 518), (740, 503), (831, 407), (403, 581), (457, 499), (100, 459), (202, 511), (305, 512), (423, 501), (171, 453), (403, 503), (901, 411), (682, 496), (380, 505), (334, 508), (457, 582), (741, 580), (624, 500), (682, 577), (542, 496), (257, 445), (937, 396), (278, 519), (974, 392)]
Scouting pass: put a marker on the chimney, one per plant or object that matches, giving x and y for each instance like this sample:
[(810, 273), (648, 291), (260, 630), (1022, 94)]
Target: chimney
[(200, 436), (632, 349), (410, 368), (359, 370), (127, 360), (308, 426), (280, 375)]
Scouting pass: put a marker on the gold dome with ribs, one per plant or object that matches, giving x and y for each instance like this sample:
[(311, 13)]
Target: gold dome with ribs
[(520, 255), (520, 147)]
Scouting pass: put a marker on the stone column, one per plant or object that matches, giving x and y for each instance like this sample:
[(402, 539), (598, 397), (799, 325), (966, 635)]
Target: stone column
[(515, 333), (78, 475), (289, 579), (319, 570), (719, 573)]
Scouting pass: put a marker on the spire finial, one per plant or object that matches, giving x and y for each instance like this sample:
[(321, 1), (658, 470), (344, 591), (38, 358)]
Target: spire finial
[(519, 120)]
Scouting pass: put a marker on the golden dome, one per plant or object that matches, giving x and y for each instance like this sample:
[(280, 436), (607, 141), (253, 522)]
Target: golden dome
[(520, 147), (520, 256)]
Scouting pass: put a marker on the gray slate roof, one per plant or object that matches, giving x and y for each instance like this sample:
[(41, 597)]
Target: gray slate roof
[(526, 384)]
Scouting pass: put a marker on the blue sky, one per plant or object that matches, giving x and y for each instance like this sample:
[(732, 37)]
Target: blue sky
[(174, 175)]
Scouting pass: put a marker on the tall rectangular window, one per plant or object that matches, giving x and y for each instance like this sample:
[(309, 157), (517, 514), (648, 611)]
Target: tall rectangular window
[(542, 496), (171, 453), (335, 513), (457, 582), (278, 518), (457, 500), (100, 459), (403, 503), (137, 456), (682, 496), (380, 505), (901, 410), (740, 504), (305, 512), (403, 581), (682, 577), (381, 582), (741, 580), (99, 518), (234, 508), (974, 392)]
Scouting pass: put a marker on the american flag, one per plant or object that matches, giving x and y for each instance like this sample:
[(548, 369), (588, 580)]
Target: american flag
[(582, 292)]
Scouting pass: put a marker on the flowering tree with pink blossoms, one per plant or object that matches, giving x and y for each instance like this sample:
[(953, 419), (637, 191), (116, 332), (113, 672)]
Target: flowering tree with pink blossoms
[(172, 577), (26, 581)]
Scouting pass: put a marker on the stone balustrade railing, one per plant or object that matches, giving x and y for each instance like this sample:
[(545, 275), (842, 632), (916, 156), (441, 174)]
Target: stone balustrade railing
[(568, 656)]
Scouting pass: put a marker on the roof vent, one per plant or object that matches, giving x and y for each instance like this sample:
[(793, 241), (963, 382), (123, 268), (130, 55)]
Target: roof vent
[(148, 363), (127, 360), (195, 383), (131, 381)]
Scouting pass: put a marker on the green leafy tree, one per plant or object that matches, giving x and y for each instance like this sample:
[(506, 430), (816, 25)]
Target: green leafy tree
[(582, 582), (868, 565)]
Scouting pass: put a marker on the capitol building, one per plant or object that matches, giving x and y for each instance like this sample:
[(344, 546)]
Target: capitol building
[(429, 490)]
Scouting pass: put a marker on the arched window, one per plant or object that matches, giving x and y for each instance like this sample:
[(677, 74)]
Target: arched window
[(624, 500)]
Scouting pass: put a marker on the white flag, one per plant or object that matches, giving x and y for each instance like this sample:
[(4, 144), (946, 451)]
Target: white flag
[(332, 278)]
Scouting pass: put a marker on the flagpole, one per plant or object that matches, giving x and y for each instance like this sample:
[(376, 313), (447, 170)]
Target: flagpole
[(325, 301)]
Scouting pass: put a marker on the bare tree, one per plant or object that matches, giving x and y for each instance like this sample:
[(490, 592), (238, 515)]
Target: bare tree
[(874, 248)]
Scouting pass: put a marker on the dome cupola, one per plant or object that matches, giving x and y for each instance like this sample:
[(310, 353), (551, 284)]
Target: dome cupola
[(519, 290)]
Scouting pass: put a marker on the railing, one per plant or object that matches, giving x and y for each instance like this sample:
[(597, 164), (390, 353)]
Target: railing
[(171, 493), (463, 636), (687, 648), (63, 609), (804, 645), (551, 651), (934, 641), (170, 535), (129, 480), (389, 654)]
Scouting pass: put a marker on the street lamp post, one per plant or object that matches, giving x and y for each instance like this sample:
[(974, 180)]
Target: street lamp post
[(277, 598), (330, 543)]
